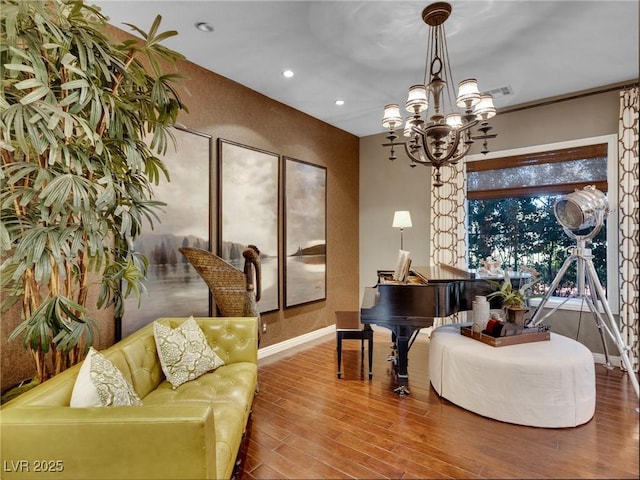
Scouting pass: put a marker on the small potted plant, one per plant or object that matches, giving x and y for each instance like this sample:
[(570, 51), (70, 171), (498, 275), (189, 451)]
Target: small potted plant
[(514, 299)]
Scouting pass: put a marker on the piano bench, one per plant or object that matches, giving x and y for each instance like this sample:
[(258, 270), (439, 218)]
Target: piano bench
[(547, 384), (348, 327)]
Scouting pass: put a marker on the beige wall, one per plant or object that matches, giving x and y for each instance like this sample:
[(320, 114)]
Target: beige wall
[(222, 108), (589, 116), (385, 185)]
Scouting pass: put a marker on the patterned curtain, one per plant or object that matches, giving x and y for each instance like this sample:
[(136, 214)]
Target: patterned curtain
[(448, 221), (629, 262)]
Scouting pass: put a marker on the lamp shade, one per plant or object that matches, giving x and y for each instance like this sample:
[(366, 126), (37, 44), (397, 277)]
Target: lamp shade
[(417, 101), (485, 109), (408, 126), (454, 120), (392, 118), (468, 93), (402, 219)]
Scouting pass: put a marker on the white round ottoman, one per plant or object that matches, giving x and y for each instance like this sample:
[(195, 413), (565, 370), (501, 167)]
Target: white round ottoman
[(541, 384)]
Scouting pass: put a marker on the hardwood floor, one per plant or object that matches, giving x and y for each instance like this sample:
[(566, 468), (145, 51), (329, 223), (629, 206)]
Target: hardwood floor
[(307, 423)]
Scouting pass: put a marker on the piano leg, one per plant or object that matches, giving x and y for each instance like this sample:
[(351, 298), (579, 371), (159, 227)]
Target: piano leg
[(393, 356), (402, 390), (403, 337)]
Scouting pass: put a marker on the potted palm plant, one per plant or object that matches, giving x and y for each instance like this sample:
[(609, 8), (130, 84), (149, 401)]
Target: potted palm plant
[(514, 299), (76, 114)]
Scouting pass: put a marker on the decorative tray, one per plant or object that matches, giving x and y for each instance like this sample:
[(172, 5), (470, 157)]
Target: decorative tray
[(527, 336)]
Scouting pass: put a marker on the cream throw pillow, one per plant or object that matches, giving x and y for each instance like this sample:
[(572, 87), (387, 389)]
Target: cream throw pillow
[(100, 384), (184, 352)]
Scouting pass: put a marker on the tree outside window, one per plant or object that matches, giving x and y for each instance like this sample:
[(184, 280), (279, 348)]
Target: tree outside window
[(524, 231), (511, 218)]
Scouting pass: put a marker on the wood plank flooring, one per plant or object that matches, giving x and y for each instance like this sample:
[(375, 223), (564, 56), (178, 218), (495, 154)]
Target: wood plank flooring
[(308, 424)]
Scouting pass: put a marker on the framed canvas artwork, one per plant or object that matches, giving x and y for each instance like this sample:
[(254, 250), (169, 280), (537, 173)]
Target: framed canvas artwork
[(305, 225), (173, 287), (248, 199)]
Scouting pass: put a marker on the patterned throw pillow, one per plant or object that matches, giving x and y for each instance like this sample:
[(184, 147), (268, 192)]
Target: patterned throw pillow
[(184, 352), (100, 384)]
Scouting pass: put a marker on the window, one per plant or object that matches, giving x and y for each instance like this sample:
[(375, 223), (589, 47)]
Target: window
[(510, 209)]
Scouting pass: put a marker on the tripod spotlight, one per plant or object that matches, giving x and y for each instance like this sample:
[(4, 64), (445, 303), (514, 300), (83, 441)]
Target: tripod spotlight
[(578, 212), (582, 209)]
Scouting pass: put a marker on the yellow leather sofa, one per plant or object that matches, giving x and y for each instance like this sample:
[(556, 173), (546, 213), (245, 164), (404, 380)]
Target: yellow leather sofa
[(194, 431)]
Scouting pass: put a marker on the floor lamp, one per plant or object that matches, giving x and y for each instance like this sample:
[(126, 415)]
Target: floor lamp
[(576, 213), (401, 220)]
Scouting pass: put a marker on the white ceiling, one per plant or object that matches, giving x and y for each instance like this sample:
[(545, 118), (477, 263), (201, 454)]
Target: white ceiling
[(368, 53)]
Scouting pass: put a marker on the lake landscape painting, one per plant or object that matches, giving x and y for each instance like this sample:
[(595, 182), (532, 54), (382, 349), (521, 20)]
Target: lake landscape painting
[(173, 287), (248, 193), (305, 206)]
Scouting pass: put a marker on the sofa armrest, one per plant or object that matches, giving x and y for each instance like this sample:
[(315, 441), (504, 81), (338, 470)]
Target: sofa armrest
[(142, 442)]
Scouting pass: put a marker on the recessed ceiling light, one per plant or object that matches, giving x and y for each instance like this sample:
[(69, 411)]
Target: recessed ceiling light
[(287, 73), (204, 27), (339, 102)]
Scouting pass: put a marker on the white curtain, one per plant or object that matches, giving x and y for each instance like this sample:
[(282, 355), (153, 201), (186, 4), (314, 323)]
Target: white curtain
[(629, 256), (448, 218), (448, 224)]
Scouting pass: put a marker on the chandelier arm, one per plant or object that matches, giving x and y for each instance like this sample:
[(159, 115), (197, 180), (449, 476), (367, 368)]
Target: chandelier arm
[(412, 156), (464, 152), (423, 131), (449, 158), (468, 125), (393, 144), (451, 152)]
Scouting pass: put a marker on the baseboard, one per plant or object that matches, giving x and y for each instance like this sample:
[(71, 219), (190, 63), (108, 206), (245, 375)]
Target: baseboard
[(600, 359), (295, 341)]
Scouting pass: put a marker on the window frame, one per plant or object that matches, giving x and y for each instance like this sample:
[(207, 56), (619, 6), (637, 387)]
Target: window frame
[(531, 155)]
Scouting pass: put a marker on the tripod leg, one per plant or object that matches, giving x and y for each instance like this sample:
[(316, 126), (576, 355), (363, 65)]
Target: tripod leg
[(614, 332), (592, 303), (556, 282)]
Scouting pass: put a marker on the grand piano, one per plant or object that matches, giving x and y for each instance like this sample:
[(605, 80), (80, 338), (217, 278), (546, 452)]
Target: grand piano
[(406, 307)]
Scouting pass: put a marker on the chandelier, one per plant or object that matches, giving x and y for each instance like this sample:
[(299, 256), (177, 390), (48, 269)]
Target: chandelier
[(440, 138)]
